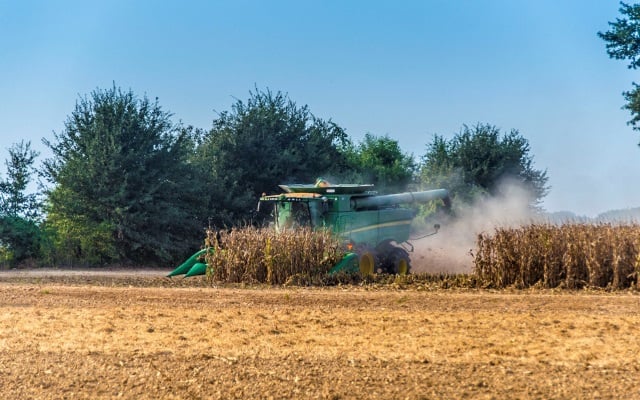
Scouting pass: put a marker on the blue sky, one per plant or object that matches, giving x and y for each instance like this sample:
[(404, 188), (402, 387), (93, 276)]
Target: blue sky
[(407, 69)]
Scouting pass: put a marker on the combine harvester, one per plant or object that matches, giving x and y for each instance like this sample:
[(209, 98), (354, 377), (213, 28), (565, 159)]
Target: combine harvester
[(375, 228)]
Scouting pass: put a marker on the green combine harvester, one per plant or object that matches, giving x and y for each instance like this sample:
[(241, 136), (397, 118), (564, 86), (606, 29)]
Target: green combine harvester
[(375, 228)]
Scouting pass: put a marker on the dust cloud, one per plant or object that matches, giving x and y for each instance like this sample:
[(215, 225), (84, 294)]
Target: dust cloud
[(450, 250)]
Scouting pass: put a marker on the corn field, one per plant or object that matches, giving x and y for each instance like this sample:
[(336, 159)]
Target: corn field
[(570, 256), (253, 255)]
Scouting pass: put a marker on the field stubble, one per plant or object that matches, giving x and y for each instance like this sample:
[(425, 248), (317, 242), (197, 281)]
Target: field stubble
[(69, 340)]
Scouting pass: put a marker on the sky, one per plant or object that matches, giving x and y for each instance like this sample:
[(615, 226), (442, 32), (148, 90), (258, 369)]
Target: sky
[(406, 69)]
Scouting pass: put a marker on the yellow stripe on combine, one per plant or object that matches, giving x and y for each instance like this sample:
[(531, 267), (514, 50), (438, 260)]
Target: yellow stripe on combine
[(384, 225)]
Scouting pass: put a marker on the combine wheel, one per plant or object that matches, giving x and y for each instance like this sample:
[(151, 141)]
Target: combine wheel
[(401, 262), (367, 263)]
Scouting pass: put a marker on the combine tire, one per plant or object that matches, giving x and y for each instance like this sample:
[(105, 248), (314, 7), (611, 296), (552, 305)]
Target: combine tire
[(367, 263), (401, 262)]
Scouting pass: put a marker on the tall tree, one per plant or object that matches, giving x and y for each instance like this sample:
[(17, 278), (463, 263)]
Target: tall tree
[(122, 181), (265, 141), (14, 199), (381, 161), (623, 43), (477, 160), (19, 210)]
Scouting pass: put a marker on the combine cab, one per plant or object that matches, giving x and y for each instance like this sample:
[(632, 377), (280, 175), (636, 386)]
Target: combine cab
[(375, 228)]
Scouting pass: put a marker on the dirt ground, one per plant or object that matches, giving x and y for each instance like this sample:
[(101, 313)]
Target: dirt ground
[(142, 336)]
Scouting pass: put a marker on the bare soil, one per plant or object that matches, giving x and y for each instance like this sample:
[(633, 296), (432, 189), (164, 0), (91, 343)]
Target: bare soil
[(143, 336)]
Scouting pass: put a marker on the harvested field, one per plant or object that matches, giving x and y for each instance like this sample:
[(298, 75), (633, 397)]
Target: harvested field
[(145, 337)]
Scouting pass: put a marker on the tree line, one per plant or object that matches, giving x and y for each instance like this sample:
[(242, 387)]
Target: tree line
[(127, 185)]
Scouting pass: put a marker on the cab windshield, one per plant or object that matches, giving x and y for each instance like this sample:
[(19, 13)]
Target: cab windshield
[(293, 215)]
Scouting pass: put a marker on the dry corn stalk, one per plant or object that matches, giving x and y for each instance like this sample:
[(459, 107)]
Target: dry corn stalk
[(255, 255), (571, 255)]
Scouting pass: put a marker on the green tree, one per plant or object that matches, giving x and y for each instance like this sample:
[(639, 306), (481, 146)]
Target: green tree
[(623, 43), (122, 183), (19, 240), (381, 161), (265, 141), (477, 161), (14, 199), (19, 210)]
